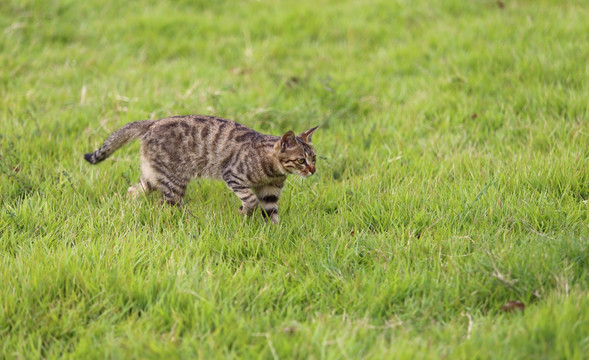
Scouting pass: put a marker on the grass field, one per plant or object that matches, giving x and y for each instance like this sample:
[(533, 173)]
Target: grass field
[(453, 178)]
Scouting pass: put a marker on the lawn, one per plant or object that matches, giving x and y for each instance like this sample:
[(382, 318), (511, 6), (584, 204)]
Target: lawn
[(452, 179)]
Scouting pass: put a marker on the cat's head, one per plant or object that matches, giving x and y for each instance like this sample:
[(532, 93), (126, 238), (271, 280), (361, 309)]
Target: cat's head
[(296, 153)]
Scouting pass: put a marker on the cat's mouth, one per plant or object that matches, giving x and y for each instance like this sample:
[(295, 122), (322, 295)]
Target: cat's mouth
[(302, 173)]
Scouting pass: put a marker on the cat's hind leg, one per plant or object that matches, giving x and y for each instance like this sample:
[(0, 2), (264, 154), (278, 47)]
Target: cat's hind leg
[(146, 184), (163, 174), (173, 188), (142, 187)]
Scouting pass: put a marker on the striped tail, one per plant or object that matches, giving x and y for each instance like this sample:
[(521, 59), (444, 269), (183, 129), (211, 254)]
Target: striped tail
[(117, 139)]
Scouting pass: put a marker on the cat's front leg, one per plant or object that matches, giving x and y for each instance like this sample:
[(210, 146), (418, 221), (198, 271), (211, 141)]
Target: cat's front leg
[(268, 196), (249, 201)]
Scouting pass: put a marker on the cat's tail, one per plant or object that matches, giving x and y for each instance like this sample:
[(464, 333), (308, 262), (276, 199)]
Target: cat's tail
[(117, 139)]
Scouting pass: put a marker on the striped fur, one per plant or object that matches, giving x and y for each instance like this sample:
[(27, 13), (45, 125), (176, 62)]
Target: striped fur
[(177, 149)]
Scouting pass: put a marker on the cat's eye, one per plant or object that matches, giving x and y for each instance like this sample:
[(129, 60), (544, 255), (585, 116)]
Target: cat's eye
[(301, 161)]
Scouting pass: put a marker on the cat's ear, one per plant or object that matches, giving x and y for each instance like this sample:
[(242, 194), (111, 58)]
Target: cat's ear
[(288, 140), (306, 136)]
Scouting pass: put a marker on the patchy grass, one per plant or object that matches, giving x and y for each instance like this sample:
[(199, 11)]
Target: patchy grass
[(453, 178)]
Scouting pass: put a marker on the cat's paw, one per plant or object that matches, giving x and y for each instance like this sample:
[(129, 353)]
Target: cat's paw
[(270, 215), (246, 212), (134, 192)]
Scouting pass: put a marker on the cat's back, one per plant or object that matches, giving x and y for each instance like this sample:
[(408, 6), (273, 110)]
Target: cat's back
[(176, 130), (207, 125), (198, 143)]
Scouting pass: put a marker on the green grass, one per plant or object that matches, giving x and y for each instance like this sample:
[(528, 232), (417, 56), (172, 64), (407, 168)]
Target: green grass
[(453, 178)]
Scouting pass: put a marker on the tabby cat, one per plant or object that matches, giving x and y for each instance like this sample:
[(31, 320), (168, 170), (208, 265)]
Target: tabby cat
[(177, 149)]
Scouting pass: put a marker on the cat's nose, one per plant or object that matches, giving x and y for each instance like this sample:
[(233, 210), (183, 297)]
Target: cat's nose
[(312, 169)]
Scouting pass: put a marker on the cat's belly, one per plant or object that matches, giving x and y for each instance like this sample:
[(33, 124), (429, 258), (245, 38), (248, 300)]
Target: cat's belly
[(205, 171)]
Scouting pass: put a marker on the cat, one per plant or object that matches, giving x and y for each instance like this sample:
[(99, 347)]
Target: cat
[(177, 149)]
